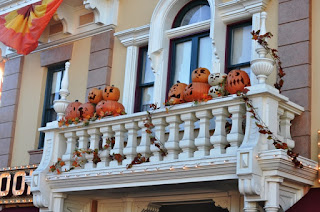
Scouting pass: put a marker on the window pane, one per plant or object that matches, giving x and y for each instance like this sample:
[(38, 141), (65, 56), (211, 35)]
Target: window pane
[(55, 87), (147, 75), (241, 45), (182, 62), (147, 98), (196, 14), (205, 53)]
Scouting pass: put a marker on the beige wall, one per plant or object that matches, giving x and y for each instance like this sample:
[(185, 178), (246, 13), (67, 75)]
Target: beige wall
[(32, 93), (315, 85)]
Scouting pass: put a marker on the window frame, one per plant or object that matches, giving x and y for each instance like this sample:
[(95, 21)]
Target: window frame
[(230, 28), (46, 103), (139, 85), (195, 39)]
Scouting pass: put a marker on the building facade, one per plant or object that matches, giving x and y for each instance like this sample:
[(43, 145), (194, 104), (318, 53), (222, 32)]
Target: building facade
[(143, 47)]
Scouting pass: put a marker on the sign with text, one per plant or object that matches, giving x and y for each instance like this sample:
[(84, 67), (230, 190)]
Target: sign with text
[(13, 188)]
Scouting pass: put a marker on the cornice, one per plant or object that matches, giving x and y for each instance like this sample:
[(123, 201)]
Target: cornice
[(134, 36), (240, 9), (10, 5)]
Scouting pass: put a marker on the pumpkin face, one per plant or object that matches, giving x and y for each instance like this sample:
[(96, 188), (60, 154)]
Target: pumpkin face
[(216, 78), (200, 75), (95, 95), (236, 81), (214, 91), (175, 95), (86, 110), (109, 107), (195, 91), (71, 110), (111, 93)]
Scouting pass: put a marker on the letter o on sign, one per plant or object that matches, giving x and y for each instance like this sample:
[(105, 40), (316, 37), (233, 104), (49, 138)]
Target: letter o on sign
[(16, 192), (6, 191)]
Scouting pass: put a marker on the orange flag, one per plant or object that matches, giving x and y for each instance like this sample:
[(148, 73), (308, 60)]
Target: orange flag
[(21, 29)]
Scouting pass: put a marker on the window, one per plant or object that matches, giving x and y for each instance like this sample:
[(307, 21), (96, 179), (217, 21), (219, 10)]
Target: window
[(190, 51), (239, 46), (53, 85), (144, 90)]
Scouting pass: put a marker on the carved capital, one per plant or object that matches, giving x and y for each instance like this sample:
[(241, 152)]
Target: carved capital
[(250, 185), (105, 11)]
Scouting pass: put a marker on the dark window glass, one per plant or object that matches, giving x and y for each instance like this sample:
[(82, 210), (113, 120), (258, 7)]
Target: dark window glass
[(187, 54), (145, 82), (193, 12), (53, 85), (239, 46)]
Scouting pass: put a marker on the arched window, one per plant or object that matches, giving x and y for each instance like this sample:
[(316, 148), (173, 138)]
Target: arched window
[(192, 50), (194, 12)]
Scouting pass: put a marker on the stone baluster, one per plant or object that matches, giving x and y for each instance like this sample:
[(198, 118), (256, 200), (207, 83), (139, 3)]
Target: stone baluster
[(159, 132), (130, 150), (83, 142), (219, 138), (107, 133), (172, 145), (235, 137), (202, 142), (187, 142), (94, 144), (280, 113), (285, 124), (119, 131), (71, 145), (144, 147)]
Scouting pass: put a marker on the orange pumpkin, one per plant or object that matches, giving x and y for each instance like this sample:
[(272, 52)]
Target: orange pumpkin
[(86, 110), (237, 80), (196, 91), (95, 95), (200, 75), (109, 107), (71, 110), (111, 93), (175, 95)]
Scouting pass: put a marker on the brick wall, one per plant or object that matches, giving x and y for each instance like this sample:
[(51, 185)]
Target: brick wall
[(9, 107), (295, 53)]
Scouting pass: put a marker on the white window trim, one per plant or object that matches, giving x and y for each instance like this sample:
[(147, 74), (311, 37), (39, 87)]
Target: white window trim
[(132, 39)]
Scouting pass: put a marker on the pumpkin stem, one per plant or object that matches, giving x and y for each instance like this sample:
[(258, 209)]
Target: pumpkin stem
[(77, 100), (112, 85), (178, 81)]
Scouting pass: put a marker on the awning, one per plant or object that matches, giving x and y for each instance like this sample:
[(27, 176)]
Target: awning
[(308, 203)]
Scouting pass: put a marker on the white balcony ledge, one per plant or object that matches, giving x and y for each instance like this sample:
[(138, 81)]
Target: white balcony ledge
[(194, 154)]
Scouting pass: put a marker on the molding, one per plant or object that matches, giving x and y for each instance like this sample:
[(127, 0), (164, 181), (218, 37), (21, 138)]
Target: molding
[(10, 5), (188, 29), (237, 10), (134, 36), (105, 11)]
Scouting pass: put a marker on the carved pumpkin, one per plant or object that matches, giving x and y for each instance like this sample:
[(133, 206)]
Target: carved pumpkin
[(111, 93), (216, 78), (95, 95), (86, 110), (109, 107), (71, 110), (237, 80), (200, 75), (175, 95), (196, 91), (215, 91)]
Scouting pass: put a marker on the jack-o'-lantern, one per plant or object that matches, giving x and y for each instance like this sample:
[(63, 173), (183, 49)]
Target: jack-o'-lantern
[(86, 110), (71, 110), (111, 93), (237, 80), (175, 95), (216, 78), (95, 95), (109, 107), (200, 75), (215, 91), (196, 91)]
